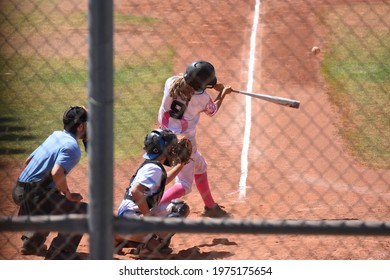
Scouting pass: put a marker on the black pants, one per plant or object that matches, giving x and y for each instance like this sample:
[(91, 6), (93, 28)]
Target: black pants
[(36, 200)]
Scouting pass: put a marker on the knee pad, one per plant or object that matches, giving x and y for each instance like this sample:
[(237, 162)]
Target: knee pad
[(178, 208)]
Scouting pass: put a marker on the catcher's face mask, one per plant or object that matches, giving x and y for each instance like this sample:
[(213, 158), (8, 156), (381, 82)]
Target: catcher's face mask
[(158, 142)]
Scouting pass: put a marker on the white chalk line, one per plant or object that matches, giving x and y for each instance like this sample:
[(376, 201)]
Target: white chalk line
[(248, 109)]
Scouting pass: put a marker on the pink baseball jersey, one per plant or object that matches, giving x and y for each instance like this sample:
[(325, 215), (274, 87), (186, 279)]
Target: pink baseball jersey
[(186, 126)]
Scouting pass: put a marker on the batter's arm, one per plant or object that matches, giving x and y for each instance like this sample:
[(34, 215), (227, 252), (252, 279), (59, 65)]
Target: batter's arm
[(223, 91)]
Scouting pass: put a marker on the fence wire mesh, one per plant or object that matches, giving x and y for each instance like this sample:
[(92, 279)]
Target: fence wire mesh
[(328, 160)]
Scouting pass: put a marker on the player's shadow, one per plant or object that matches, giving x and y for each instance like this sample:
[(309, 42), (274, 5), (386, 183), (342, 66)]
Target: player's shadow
[(194, 253), (10, 133)]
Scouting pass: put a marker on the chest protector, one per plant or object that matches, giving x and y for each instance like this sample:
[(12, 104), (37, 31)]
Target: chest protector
[(155, 198)]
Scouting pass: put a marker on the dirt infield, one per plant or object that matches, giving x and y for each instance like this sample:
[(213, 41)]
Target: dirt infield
[(286, 67), (298, 168)]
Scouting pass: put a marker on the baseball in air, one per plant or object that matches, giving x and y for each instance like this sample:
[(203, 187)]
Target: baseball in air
[(315, 50)]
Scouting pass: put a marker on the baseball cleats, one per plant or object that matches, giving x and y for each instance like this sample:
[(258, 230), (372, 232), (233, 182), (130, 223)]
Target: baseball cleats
[(30, 250), (215, 212)]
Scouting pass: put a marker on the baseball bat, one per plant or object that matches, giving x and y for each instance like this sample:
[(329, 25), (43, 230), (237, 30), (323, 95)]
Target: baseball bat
[(271, 98)]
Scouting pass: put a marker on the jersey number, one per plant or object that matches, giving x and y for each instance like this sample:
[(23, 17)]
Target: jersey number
[(177, 109)]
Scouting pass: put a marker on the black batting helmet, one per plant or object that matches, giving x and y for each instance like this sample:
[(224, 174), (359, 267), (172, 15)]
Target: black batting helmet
[(200, 75)]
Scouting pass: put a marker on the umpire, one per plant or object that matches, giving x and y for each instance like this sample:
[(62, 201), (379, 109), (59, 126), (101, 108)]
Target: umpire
[(42, 187)]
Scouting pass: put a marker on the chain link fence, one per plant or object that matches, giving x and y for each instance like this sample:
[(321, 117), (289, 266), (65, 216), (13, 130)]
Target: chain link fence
[(307, 183)]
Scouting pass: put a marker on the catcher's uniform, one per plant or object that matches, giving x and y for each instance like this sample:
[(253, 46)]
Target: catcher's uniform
[(152, 175), (186, 126)]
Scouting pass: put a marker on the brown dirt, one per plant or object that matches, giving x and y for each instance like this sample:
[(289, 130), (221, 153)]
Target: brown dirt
[(298, 165)]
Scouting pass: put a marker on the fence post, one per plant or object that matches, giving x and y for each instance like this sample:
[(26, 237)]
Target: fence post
[(100, 128)]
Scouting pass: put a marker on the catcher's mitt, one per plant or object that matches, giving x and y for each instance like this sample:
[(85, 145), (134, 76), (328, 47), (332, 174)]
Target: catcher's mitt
[(183, 150)]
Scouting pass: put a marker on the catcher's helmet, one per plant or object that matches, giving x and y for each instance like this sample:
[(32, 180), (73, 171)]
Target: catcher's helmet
[(200, 75), (158, 142)]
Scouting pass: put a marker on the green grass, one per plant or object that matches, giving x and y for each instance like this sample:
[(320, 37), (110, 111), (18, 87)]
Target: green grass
[(357, 71), (40, 16), (32, 104), (35, 90), (43, 16), (134, 20), (34, 93), (138, 91)]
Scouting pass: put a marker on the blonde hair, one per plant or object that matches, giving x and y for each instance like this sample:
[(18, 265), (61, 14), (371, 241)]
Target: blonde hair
[(179, 88)]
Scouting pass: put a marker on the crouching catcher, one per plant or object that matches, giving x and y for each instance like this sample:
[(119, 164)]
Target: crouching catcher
[(142, 196)]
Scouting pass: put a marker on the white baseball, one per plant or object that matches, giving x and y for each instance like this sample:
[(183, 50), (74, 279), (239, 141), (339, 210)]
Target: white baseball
[(315, 50)]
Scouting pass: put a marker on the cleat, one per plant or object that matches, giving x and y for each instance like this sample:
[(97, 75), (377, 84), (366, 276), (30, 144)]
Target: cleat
[(215, 212)]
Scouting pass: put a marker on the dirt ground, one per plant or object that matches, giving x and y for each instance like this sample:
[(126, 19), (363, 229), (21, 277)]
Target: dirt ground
[(298, 166)]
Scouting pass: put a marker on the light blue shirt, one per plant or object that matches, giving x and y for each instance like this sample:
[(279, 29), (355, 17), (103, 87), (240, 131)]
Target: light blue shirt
[(61, 148)]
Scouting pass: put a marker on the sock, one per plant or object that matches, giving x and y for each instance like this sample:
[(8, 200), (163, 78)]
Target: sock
[(202, 184), (176, 191)]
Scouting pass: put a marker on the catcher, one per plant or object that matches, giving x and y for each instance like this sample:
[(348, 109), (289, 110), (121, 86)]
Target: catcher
[(142, 196)]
